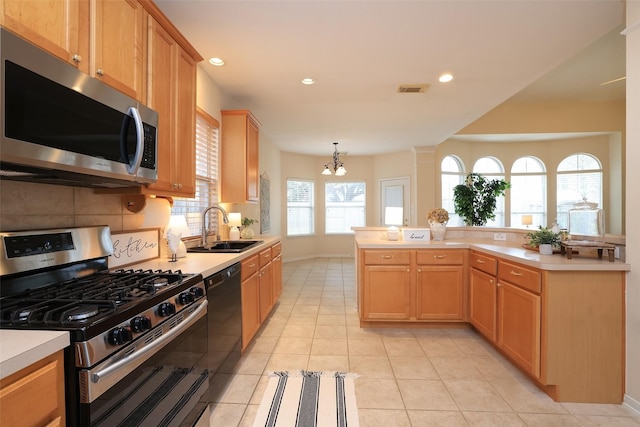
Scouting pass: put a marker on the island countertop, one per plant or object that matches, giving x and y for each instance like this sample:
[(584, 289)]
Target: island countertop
[(506, 249)]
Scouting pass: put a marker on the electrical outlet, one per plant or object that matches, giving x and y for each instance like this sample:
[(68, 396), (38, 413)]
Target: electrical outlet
[(499, 236)]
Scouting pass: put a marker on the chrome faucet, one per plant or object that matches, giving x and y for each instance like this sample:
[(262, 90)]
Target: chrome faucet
[(225, 219)]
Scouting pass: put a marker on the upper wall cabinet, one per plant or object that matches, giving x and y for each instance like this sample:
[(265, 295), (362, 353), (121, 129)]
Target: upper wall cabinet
[(171, 92), (117, 45), (239, 178), (61, 27)]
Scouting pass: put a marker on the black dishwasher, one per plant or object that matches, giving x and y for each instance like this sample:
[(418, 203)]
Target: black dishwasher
[(225, 326)]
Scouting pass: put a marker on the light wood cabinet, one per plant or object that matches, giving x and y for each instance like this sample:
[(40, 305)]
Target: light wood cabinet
[(34, 396), (261, 277), (276, 255), (250, 299), (171, 92), (60, 27), (117, 47), (440, 284), (239, 168), (410, 285), (483, 299)]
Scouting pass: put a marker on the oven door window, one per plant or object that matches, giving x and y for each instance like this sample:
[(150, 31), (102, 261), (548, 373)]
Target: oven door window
[(169, 389)]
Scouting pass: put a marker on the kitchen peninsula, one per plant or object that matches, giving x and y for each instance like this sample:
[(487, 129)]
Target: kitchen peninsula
[(559, 320)]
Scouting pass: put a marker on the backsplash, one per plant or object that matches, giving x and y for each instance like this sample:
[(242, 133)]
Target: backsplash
[(28, 206)]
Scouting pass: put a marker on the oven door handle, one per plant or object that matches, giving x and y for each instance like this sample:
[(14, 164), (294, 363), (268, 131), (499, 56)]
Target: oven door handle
[(153, 346)]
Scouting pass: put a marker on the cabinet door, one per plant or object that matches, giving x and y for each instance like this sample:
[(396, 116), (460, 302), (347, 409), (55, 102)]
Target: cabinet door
[(57, 26), (250, 308), (277, 278), (160, 97), (118, 45), (239, 157), (386, 292), (519, 326), (266, 298), (483, 299), (185, 164), (439, 292)]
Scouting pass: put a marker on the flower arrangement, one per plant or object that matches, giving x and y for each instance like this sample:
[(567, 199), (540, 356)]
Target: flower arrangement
[(438, 215)]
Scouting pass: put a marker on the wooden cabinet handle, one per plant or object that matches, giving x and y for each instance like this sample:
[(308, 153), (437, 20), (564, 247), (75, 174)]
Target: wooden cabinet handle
[(251, 265), (439, 256), (386, 256), (480, 261), (515, 273)]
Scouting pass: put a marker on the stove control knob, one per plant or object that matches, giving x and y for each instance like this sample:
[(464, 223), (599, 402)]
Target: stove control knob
[(140, 324), (197, 292), (185, 298), (119, 335), (166, 309)]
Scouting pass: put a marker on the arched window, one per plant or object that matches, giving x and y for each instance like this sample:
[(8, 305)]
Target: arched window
[(528, 193), (452, 174), (579, 177), (491, 168)]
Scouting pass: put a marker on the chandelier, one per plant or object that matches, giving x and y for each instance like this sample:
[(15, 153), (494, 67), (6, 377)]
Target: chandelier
[(337, 165)]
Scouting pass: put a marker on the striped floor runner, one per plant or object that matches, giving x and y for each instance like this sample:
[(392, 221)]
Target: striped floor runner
[(309, 399)]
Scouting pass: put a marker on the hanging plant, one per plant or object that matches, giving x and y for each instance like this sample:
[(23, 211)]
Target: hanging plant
[(475, 200)]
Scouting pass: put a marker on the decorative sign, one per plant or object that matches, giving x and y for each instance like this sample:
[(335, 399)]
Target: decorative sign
[(265, 204), (130, 247)]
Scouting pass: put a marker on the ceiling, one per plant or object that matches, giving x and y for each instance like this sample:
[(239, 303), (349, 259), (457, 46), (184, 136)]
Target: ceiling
[(361, 51)]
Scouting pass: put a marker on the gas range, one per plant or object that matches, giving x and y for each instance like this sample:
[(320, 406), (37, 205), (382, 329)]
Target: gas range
[(120, 322)]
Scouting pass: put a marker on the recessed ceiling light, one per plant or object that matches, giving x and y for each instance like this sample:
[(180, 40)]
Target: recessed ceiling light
[(308, 81), (217, 62), (445, 78)]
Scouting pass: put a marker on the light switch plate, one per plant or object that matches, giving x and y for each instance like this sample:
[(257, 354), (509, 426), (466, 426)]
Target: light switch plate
[(499, 236)]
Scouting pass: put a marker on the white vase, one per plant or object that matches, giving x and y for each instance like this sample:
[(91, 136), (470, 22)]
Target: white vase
[(247, 233), (438, 230), (545, 249)]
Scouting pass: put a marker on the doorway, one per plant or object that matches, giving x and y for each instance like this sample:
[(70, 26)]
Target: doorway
[(395, 202)]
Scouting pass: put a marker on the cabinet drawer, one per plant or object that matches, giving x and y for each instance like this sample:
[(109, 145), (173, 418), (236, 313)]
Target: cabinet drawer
[(249, 267), (520, 276), (276, 250), (440, 257), (383, 257), (484, 263), (265, 257)]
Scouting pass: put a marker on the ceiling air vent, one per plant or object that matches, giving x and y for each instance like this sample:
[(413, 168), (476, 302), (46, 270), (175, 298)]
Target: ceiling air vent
[(413, 88)]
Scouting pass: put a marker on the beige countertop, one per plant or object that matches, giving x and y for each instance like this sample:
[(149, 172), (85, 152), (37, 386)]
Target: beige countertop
[(505, 249), (21, 348)]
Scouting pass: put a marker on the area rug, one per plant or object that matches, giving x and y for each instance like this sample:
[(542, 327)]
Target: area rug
[(308, 399)]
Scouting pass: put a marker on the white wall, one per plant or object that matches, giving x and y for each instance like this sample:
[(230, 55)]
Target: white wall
[(633, 205)]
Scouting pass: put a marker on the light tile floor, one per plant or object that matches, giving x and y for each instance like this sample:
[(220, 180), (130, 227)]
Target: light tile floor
[(408, 377)]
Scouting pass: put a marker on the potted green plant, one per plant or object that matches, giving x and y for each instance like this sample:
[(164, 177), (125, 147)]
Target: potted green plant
[(544, 239), (475, 200), (247, 233)]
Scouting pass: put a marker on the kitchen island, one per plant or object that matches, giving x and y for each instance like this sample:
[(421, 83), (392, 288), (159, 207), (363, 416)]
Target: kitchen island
[(559, 320)]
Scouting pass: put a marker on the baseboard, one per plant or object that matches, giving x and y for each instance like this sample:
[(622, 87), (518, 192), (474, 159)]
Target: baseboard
[(302, 258), (632, 404)]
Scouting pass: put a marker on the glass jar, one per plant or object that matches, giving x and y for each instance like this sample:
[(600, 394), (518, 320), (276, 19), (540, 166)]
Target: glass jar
[(586, 219)]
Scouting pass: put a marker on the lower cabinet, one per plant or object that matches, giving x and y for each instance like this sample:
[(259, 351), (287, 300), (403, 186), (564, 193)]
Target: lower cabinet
[(34, 396), (412, 285), (261, 287)]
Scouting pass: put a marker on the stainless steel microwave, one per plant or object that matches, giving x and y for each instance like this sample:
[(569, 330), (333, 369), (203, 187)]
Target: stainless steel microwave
[(62, 126)]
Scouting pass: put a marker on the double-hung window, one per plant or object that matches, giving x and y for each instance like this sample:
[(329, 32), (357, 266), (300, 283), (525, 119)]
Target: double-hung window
[(300, 215), (579, 178), (207, 132), (345, 206)]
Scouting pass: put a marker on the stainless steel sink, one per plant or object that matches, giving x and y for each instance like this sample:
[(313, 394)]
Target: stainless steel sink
[(226, 246)]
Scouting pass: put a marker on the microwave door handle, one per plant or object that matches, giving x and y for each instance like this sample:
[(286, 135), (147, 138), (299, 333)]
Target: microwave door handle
[(133, 167)]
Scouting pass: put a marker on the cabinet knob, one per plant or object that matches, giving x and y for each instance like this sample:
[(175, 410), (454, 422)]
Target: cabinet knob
[(251, 265), (100, 72), (387, 256), (491, 281), (76, 58), (515, 273), (408, 270), (480, 261), (439, 256)]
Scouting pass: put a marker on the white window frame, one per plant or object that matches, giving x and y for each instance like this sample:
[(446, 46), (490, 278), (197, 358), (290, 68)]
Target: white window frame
[(449, 178), (298, 207), (352, 212)]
